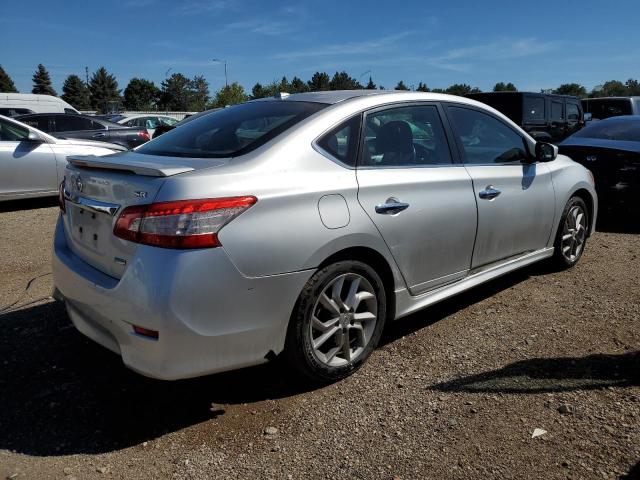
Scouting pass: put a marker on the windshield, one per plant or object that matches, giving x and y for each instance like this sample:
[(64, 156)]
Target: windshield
[(613, 129), (231, 131)]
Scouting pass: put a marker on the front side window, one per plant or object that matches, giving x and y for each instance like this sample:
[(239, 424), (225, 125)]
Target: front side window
[(573, 113), (231, 131), (404, 137), (10, 132), (342, 141), (485, 139), (70, 123)]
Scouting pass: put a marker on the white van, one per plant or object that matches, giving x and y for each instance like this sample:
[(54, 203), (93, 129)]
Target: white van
[(12, 104)]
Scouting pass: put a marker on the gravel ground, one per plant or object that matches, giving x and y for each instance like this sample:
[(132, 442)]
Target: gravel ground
[(455, 391)]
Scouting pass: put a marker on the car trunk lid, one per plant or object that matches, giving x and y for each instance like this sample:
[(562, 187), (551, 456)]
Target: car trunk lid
[(97, 189)]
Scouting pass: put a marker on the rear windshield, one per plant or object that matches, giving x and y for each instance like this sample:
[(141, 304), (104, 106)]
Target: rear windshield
[(231, 131), (602, 109), (614, 129)]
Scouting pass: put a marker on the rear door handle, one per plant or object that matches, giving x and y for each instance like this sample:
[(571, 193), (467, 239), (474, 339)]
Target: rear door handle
[(391, 206), (489, 193)]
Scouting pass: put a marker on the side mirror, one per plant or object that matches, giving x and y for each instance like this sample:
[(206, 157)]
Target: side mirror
[(34, 137), (588, 117), (546, 152)]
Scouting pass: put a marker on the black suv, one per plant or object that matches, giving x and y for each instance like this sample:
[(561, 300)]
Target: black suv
[(546, 117)]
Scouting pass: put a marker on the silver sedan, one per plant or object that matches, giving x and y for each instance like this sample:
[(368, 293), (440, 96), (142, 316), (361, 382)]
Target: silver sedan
[(32, 163), (300, 225)]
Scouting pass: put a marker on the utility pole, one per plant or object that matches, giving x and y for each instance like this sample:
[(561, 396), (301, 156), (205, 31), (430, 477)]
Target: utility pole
[(219, 60), (86, 75)]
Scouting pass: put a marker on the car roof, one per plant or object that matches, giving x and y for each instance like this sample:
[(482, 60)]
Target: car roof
[(329, 97), (634, 97)]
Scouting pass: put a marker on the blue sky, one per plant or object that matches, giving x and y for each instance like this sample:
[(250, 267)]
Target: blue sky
[(532, 44)]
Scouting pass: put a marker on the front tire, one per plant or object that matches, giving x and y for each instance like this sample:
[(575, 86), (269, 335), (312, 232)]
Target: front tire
[(337, 321), (571, 237)]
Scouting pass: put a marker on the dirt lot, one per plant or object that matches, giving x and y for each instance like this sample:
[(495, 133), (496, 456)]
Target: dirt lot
[(455, 391)]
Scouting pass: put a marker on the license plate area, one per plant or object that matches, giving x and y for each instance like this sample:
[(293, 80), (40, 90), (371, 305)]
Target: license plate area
[(89, 229)]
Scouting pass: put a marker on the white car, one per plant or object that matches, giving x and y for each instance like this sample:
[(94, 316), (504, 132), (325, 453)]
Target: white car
[(145, 120), (12, 104), (32, 163)]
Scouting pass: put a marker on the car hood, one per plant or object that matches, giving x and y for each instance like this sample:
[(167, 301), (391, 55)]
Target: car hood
[(90, 143), (624, 145)]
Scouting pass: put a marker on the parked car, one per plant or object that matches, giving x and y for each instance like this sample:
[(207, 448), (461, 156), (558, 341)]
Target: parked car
[(546, 117), (610, 148), (605, 107), (150, 122), (337, 212), (21, 103), (64, 125), (32, 163)]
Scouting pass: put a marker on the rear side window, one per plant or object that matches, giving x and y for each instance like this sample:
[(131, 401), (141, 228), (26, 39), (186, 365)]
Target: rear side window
[(231, 131), (404, 137), (485, 139), (342, 141), (39, 122), (69, 123), (556, 111), (534, 109)]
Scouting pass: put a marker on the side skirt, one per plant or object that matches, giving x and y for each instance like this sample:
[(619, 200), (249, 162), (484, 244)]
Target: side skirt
[(407, 304)]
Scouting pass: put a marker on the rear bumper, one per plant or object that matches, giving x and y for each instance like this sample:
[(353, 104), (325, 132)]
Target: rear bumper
[(210, 318)]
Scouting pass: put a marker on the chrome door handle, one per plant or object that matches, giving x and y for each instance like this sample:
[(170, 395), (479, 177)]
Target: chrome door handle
[(98, 135), (489, 193), (391, 206)]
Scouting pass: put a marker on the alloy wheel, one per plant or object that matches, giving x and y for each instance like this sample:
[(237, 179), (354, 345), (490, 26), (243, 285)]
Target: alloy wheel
[(574, 233)]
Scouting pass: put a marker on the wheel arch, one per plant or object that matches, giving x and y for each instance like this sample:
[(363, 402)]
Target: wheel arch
[(586, 196)]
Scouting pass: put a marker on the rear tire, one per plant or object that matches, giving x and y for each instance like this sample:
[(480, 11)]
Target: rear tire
[(571, 237), (337, 321)]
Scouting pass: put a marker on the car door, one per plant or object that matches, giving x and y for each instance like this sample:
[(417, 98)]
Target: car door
[(28, 167), (420, 200), (515, 198)]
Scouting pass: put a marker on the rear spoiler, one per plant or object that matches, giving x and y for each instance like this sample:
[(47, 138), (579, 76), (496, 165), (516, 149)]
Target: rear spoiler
[(147, 169)]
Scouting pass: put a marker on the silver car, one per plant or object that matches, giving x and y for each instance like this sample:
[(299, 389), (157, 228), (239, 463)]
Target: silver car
[(32, 163), (302, 224)]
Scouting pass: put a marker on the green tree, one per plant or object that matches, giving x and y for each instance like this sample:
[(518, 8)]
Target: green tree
[(461, 89), (370, 85), (504, 87), (422, 87), (198, 94), (258, 91), (6, 83), (633, 87), (76, 93), (319, 82), (298, 86), (141, 94), (401, 86), (42, 82), (342, 81), (611, 88), (175, 92), (574, 89), (230, 95), (438, 90), (103, 87)]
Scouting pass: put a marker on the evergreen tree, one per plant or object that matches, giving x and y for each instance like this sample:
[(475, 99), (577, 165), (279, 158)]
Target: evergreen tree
[(461, 89), (141, 95), (370, 85), (230, 95), (298, 86), (401, 86), (342, 81), (504, 87), (422, 87), (284, 86), (258, 91), (42, 82), (319, 82), (6, 83), (175, 93), (76, 93), (198, 94), (104, 91)]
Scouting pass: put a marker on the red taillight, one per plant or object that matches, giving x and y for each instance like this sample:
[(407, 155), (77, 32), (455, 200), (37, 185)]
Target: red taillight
[(61, 196), (180, 224), (144, 135), (145, 332)]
